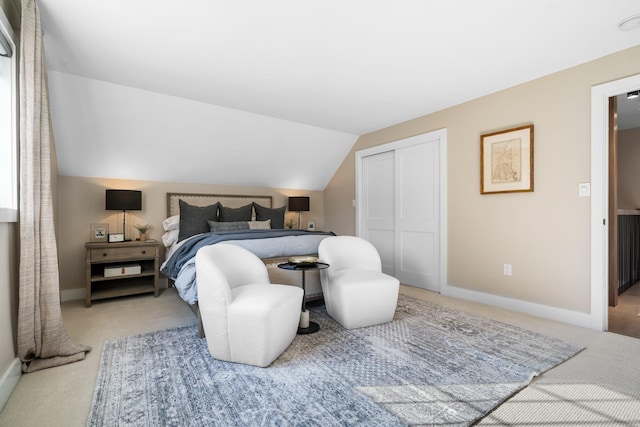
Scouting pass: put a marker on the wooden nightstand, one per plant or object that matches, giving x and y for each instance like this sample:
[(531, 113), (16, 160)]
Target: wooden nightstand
[(121, 256)]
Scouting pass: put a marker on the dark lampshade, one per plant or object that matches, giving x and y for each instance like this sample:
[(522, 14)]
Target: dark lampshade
[(299, 204), (123, 200)]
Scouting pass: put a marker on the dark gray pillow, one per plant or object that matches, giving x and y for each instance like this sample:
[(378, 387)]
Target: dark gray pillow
[(215, 226), (276, 215), (235, 214), (193, 219)]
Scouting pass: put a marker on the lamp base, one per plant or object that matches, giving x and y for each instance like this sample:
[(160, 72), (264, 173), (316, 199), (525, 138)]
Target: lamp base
[(124, 230)]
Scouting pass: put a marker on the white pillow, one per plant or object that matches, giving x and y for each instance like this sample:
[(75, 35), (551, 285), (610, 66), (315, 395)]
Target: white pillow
[(260, 225), (170, 237), (171, 223)]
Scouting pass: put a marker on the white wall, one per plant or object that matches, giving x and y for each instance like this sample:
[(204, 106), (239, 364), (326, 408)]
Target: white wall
[(112, 131)]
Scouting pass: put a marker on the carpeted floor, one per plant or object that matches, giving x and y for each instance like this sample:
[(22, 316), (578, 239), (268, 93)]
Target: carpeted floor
[(432, 366)]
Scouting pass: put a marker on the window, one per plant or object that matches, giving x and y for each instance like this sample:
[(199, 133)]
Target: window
[(8, 123)]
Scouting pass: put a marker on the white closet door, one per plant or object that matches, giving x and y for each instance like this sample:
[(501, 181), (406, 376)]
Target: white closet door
[(417, 211), (398, 191), (378, 186)]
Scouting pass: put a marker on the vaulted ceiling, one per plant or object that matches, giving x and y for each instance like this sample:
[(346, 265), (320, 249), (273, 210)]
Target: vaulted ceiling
[(275, 93)]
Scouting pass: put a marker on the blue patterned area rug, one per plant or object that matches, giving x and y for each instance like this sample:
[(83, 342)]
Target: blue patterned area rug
[(431, 366)]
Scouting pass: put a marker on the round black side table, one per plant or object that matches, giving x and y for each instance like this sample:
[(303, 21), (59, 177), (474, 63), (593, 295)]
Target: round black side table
[(313, 326)]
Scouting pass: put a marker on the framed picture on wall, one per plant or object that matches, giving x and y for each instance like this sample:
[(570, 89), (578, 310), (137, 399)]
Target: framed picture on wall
[(99, 232), (506, 161), (311, 225)]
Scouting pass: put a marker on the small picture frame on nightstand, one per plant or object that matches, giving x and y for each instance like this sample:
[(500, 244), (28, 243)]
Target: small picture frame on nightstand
[(99, 232), (311, 225)]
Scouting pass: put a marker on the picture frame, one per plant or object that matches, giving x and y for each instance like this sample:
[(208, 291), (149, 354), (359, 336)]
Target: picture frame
[(311, 225), (506, 161), (99, 232), (116, 237)]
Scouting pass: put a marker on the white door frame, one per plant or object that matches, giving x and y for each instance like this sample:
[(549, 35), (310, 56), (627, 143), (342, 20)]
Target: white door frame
[(600, 195), (441, 136)]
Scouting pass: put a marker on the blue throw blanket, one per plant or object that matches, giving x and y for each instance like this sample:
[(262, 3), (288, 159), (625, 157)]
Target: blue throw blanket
[(189, 248), (181, 265)]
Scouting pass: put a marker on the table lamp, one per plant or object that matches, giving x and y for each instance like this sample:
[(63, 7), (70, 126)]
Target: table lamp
[(123, 200), (299, 204)]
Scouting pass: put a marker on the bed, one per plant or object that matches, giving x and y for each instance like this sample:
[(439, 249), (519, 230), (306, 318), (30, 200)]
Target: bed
[(197, 220)]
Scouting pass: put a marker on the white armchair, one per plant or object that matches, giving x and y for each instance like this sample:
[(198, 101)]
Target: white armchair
[(356, 291), (245, 318)]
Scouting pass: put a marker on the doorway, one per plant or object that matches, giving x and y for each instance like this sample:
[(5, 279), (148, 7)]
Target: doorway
[(624, 226), (400, 188), (600, 215)]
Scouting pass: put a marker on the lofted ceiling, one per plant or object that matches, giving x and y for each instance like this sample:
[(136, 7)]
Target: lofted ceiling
[(305, 78)]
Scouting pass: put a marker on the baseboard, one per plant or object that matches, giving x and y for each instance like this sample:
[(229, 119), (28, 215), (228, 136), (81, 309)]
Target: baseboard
[(9, 381), (539, 310)]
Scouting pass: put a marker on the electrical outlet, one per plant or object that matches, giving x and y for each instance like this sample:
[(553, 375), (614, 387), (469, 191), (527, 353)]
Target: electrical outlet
[(507, 269), (584, 189)]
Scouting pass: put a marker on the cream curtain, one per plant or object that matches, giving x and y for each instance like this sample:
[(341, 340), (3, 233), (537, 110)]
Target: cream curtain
[(42, 339)]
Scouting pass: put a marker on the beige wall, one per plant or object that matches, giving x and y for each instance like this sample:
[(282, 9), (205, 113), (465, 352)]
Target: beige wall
[(545, 234), (629, 169), (8, 295), (81, 202), (12, 10)]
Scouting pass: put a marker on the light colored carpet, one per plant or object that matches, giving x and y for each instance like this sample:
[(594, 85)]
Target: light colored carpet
[(431, 366), (601, 389), (567, 405)]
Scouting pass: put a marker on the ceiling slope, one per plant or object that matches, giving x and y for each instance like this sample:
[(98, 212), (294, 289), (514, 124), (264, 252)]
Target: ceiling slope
[(290, 84)]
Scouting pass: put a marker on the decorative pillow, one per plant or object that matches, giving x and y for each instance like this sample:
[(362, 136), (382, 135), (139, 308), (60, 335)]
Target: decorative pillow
[(171, 223), (215, 226), (235, 214), (276, 215), (260, 225), (170, 237), (193, 219)]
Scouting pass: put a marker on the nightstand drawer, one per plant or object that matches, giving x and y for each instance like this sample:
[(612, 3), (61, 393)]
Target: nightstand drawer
[(114, 254)]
